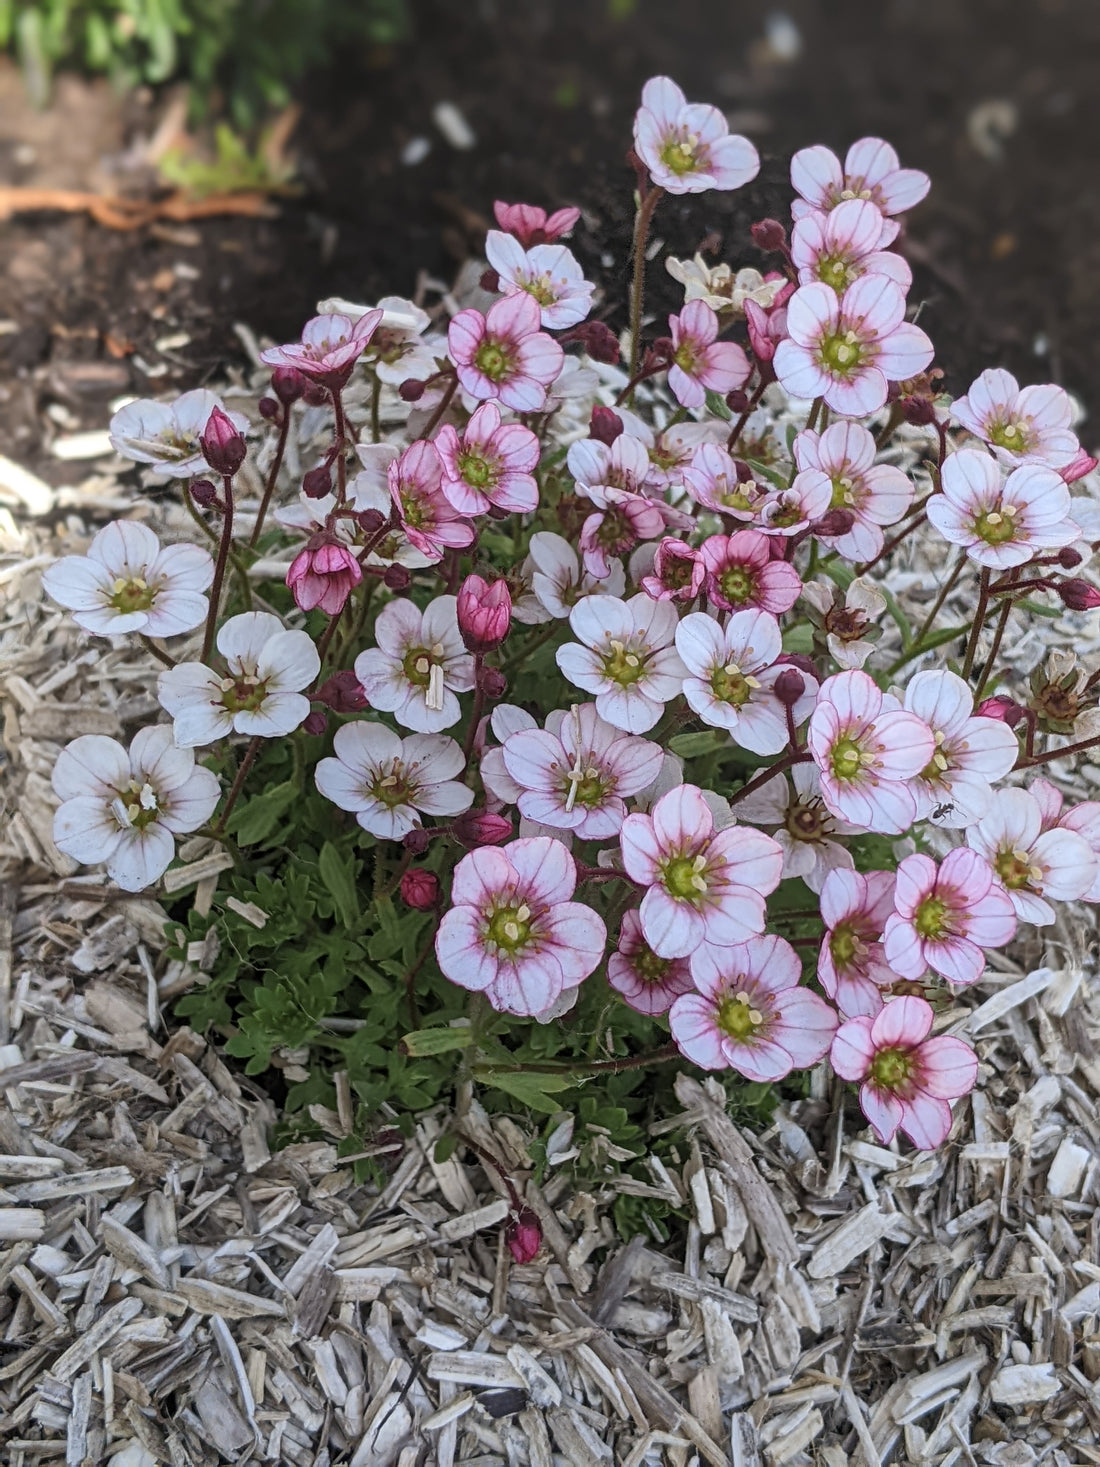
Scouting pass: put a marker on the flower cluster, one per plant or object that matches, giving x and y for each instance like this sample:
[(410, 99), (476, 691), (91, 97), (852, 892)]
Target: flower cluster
[(605, 659)]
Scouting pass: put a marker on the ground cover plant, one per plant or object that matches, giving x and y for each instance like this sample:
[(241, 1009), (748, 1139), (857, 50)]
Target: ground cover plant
[(560, 718)]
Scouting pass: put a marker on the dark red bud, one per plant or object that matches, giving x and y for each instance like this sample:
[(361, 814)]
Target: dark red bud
[(523, 1235), (316, 394), (371, 520), (223, 448), (420, 889), (738, 400), (411, 390), (800, 661), (1005, 710), (598, 340), (288, 384), (343, 692), (397, 578), (606, 425), (490, 280), (269, 409), (789, 687), (315, 722), (1078, 595), (1068, 558), (481, 828), (204, 493), (834, 522), (417, 842), (492, 681), (663, 348), (920, 411), (317, 482), (769, 235)]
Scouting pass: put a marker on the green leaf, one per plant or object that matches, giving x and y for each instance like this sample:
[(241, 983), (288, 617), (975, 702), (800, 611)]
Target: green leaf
[(775, 477), (257, 819), (423, 1042), (899, 617), (532, 1089), (444, 1149), (694, 745), (338, 874), (717, 405)]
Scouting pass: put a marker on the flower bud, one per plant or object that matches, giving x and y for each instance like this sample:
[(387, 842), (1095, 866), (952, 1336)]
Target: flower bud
[(343, 692), (316, 483), (833, 522), (288, 384), (316, 394), (411, 390), (324, 574), (370, 520), (223, 448), (316, 721), (789, 687), (919, 411), (1081, 464), (1078, 595), (204, 493), (662, 349), (481, 828), (269, 409), (492, 682), (598, 340), (606, 425), (419, 889), (417, 842), (1068, 558), (768, 235), (738, 400), (1005, 710), (523, 1235), (490, 281), (484, 613), (397, 578)]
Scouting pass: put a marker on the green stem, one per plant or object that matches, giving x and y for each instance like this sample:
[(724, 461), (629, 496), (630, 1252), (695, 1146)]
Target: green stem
[(590, 1067), (637, 292)]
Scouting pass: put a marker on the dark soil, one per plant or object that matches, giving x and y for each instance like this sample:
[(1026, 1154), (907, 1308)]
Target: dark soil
[(997, 99)]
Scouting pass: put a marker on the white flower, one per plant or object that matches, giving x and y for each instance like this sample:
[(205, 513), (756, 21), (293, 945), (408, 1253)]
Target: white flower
[(261, 693), (386, 780), (556, 577), (166, 434), (418, 666), (627, 659), (549, 272), (128, 583), (125, 808), (719, 287)]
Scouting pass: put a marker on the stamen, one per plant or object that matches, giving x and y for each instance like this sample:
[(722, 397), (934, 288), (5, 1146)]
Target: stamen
[(433, 698)]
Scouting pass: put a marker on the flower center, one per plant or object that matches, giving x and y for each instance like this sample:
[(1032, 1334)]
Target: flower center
[(135, 805), (849, 758), (1015, 437), (737, 585), (683, 877), (423, 667), (835, 270), (1016, 870), (134, 594), (493, 358), (475, 468), (392, 789), (808, 822), (649, 967), (680, 153), (996, 526), (844, 624), (539, 286), (687, 358), (931, 918), (243, 693), (615, 533), (509, 927), (730, 685), (737, 1017), (844, 493), (623, 664), (846, 946), (891, 1069), (786, 510), (413, 509), (842, 352)]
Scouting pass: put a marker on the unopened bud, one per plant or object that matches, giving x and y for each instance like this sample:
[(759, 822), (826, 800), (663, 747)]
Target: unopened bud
[(420, 889), (484, 613), (315, 722), (204, 493), (481, 828), (738, 400), (288, 384), (524, 1235), (1068, 558), (490, 281), (316, 394), (269, 409), (598, 340), (397, 578), (1078, 595), (343, 692), (768, 235), (417, 842), (919, 411), (800, 662), (833, 522), (606, 425), (316, 483), (662, 349), (492, 682), (223, 448), (411, 390), (1004, 710), (789, 687), (370, 520)]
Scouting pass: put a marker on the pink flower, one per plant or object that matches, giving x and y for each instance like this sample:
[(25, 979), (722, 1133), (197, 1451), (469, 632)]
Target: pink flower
[(851, 966), (504, 354), (767, 325), (614, 477), (723, 484), (530, 224), (945, 916), (1021, 425), (750, 1013), (741, 574), (699, 360), (677, 574), (1001, 522), (703, 886), (870, 171), (576, 773), (971, 752), (1081, 464), (329, 348), (731, 677), (646, 982), (1082, 819), (513, 933), (867, 751), (626, 657), (427, 516), (847, 349), (557, 580), (489, 465), (840, 246), (550, 274), (788, 511), (324, 574), (523, 1234), (616, 529), (843, 457), (484, 613), (906, 1078), (687, 147), (1031, 863), (804, 828)]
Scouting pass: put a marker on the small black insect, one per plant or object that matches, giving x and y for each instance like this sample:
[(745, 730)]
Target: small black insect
[(943, 810)]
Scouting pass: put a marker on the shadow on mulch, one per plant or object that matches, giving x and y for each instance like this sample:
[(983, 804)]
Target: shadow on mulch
[(996, 99)]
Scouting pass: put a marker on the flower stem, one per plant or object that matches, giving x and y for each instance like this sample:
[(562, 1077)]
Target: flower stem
[(341, 433), (998, 637), (272, 476), (637, 292), (475, 716), (238, 783), (1063, 753), (916, 517), (158, 652), (444, 404), (590, 1067), (979, 622), (219, 568), (915, 648), (375, 406), (739, 427), (788, 761), (815, 413)]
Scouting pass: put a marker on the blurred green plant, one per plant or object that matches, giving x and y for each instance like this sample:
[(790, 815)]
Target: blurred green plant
[(233, 168), (249, 50)]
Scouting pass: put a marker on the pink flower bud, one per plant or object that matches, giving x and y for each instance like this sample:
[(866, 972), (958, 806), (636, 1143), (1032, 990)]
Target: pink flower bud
[(420, 889), (598, 340), (523, 1235), (1005, 710), (203, 493), (491, 681), (768, 235), (530, 225), (324, 574), (484, 613), (1078, 595), (397, 578), (789, 687), (606, 425), (316, 722), (316, 483), (411, 390), (316, 394), (481, 828), (288, 384), (269, 409), (1083, 463), (223, 448), (417, 841), (343, 692)]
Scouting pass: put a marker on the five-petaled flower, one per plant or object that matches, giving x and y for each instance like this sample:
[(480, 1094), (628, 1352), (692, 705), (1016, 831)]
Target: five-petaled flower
[(427, 515), (840, 246), (643, 980), (504, 354), (700, 362), (625, 656), (549, 273), (870, 171), (389, 782), (1032, 864), (490, 464), (331, 344), (418, 666), (945, 916), (1001, 522), (1021, 425), (167, 434), (851, 966), (955, 788), (843, 459), (688, 147)]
